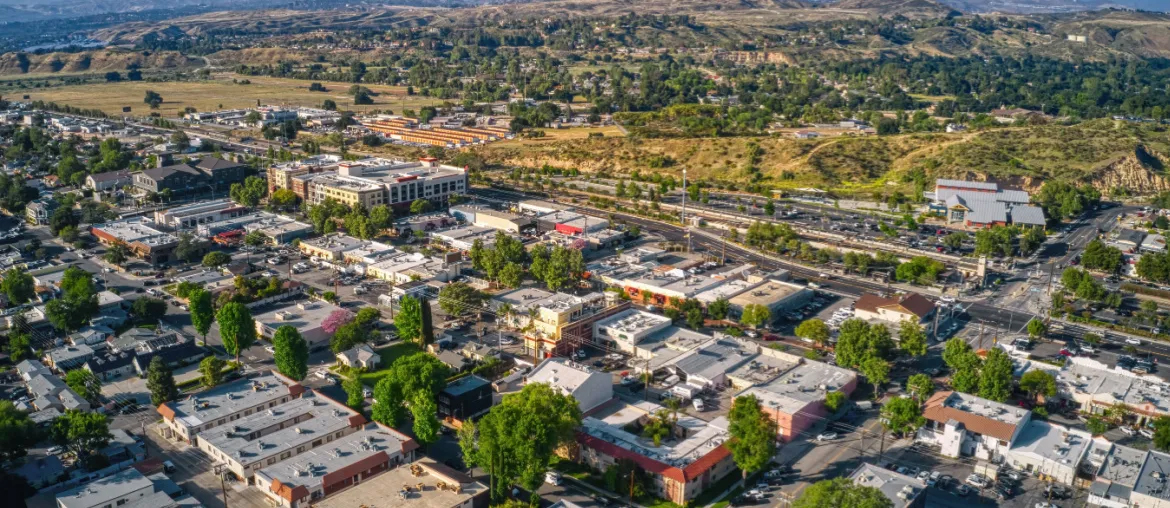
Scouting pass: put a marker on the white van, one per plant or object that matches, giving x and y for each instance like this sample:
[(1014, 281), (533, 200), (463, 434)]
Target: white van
[(699, 405)]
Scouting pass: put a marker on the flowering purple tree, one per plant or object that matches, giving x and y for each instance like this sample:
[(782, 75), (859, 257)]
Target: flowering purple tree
[(336, 319)]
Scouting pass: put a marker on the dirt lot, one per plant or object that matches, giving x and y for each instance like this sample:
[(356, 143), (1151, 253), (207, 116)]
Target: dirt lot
[(221, 93)]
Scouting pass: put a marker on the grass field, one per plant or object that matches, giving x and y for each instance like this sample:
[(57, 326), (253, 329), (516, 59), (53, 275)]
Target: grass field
[(221, 93), (388, 354)]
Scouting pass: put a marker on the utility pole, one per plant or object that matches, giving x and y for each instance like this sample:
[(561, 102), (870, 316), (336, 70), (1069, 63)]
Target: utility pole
[(219, 471)]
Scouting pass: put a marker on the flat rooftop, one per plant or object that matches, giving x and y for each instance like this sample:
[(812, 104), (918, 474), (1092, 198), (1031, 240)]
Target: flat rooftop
[(335, 242), (103, 490), (309, 468), (1152, 480), (768, 293), (370, 249), (562, 373), (714, 358), (304, 315), (796, 388), (1052, 443), (524, 299), (726, 291), (700, 437), (1123, 465), (348, 183), (631, 322), (223, 435), (136, 229), (386, 489), (199, 207), (665, 346), (324, 418), (1087, 376), (226, 399), (677, 281)]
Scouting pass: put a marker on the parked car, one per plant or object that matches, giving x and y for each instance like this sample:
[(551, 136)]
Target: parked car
[(977, 480), (962, 490), (826, 436), (1134, 341), (1146, 432), (1129, 431)]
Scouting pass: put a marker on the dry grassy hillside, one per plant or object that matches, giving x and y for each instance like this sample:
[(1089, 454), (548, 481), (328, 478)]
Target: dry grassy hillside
[(1103, 152), (103, 60)]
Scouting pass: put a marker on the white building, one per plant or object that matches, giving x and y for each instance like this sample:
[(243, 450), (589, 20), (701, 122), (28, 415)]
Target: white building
[(964, 425), (185, 419), (591, 388)]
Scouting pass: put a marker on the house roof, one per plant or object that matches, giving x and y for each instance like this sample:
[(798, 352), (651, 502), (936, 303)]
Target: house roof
[(911, 303), (166, 171), (110, 175), (1027, 214), (937, 410), (215, 163)]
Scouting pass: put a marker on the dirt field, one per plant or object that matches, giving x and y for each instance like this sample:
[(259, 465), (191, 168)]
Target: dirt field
[(221, 93), (609, 131)]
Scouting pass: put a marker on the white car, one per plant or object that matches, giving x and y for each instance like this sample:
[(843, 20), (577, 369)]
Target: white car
[(1046, 505), (924, 475), (1128, 430), (699, 405), (826, 436), (270, 349), (1146, 432), (1087, 349), (552, 478), (1134, 341), (977, 480)]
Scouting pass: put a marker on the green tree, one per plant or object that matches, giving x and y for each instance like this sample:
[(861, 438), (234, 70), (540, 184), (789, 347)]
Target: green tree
[(161, 382), (510, 275), (149, 309), (755, 315), (426, 423), (1038, 382), (841, 493), (354, 391), (212, 370), (388, 398), (1037, 328), (202, 311), (921, 386), (1161, 433), (408, 321), (116, 254), (291, 352), (902, 416), (753, 435), (458, 298), (876, 370), (954, 241), (78, 301), (834, 401), (995, 378), (911, 338), (85, 383), (236, 328), (1097, 426), (814, 330), (18, 432), (420, 205), (18, 285), (347, 337), (216, 259), (515, 442), (81, 432), (19, 346), (718, 309)]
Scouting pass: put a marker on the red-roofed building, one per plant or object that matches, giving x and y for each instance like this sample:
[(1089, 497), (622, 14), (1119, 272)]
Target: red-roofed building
[(682, 467), (911, 306)]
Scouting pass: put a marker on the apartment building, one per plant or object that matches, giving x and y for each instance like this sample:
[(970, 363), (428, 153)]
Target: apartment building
[(372, 182), (544, 314), (254, 442), (186, 419)]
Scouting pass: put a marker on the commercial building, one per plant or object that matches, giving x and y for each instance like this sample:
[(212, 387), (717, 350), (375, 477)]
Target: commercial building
[(203, 212), (792, 390), (330, 247), (984, 204), (1150, 489), (403, 268), (465, 398), (1094, 387), (680, 468), (964, 425), (903, 491), (185, 419), (336, 464), (907, 307), (279, 229), (539, 207), (368, 252), (422, 484), (372, 182), (777, 296), (210, 173), (127, 488), (661, 286), (146, 242), (591, 388), (543, 314), (1049, 449), (488, 218), (464, 238), (1117, 471), (280, 176), (254, 442), (305, 316)]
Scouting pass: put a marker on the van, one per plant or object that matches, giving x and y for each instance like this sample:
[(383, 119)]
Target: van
[(864, 405), (699, 405), (168, 466)]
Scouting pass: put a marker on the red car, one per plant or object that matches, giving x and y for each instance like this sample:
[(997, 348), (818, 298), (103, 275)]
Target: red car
[(771, 337), (1066, 352)]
